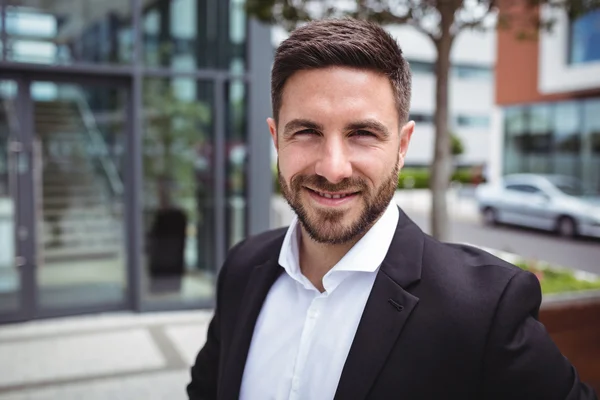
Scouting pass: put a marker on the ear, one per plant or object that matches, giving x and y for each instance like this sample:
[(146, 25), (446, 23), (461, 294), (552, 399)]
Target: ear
[(273, 130), (405, 136)]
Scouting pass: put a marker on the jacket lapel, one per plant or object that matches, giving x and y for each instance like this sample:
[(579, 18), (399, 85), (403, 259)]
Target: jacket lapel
[(387, 310), (259, 283)]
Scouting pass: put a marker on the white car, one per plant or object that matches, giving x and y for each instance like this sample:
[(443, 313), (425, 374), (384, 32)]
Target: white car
[(550, 202)]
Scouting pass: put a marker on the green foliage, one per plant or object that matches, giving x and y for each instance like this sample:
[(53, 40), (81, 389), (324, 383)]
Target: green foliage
[(456, 145), (175, 131), (558, 280), (521, 17), (418, 178)]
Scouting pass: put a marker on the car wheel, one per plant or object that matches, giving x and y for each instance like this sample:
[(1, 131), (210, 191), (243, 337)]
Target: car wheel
[(566, 227), (489, 216)]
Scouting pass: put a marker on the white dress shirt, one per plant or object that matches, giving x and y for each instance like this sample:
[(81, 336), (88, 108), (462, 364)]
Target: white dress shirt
[(302, 337)]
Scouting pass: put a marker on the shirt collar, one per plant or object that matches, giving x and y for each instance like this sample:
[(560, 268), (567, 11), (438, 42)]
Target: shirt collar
[(365, 256)]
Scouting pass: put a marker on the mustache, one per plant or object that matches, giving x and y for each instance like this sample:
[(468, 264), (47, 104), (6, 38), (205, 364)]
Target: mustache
[(320, 183)]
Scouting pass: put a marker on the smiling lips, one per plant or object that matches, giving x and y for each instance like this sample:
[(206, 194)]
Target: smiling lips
[(333, 196)]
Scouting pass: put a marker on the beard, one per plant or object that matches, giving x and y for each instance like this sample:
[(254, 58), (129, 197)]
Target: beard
[(328, 226)]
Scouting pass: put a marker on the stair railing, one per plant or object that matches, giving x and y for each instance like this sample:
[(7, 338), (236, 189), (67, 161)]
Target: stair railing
[(107, 164)]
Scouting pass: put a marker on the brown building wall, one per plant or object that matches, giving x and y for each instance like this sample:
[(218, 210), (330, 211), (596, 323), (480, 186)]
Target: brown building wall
[(575, 328), (517, 72)]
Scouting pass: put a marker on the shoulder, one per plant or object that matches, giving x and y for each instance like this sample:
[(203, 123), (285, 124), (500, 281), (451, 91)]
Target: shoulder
[(461, 261), (469, 278), (255, 250)]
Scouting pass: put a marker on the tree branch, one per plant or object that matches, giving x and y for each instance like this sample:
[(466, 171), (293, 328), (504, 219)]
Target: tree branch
[(478, 22)]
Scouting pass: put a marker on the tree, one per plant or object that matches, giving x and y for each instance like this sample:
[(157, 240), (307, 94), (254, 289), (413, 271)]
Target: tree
[(441, 21)]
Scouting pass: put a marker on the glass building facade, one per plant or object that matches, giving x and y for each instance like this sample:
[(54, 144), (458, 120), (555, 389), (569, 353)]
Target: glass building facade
[(554, 138), (130, 131)]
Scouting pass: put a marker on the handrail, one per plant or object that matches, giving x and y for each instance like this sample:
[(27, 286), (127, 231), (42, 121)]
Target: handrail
[(13, 122), (107, 164)]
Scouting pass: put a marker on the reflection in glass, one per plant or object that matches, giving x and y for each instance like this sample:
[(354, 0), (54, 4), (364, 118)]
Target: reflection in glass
[(10, 283), (69, 31), (559, 138), (421, 67), (514, 146), (237, 158), (178, 190), (567, 138), (591, 144), (79, 132), (473, 72), (585, 38), (539, 143), (473, 121), (193, 34)]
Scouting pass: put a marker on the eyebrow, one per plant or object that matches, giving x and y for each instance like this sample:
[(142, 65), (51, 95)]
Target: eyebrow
[(371, 124), (299, 123)]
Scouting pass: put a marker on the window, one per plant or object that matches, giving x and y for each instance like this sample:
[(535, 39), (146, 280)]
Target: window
[(190, 34), (473, 121), (523, 188), (422, 117), (70, 31), (585, 38), (472, 72), (178, 167), (561, 138), (421, 67)]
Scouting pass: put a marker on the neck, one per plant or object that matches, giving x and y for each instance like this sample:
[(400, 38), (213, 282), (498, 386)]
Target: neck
[(316, 259)]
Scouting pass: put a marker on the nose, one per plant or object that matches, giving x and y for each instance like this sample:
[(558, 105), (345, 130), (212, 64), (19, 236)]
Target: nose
[(334, 161)]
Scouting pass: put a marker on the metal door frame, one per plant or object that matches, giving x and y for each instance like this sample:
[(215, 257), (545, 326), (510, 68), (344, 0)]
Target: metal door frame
[(18, 194), (27, 218)]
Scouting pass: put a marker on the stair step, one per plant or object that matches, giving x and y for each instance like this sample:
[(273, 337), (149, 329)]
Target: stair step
[(86, 231), (75, 172), (63, 189), (52, 118), (51, 204), (80, 254), (78, 212), (78, 240), (52, 192)]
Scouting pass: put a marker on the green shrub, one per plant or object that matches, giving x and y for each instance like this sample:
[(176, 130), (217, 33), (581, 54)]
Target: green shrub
[(558, 280)]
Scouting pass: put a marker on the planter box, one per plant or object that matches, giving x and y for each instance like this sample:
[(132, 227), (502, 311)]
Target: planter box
[(573, 322)]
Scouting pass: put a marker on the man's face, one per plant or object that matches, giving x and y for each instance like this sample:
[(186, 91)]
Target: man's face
[(340, 148)]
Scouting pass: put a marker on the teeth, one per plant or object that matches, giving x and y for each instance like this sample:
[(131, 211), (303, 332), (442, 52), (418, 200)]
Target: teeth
[(332, 196)]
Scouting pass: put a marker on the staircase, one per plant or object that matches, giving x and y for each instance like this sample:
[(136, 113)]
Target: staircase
[(81, 218)]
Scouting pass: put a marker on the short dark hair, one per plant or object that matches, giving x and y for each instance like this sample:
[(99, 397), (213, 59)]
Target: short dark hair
[(345, 43)]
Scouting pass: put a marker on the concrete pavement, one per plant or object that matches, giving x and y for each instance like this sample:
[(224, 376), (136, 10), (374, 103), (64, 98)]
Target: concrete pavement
[(100, 357)]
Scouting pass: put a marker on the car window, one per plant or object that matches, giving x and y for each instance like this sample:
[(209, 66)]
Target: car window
[(523, 188)]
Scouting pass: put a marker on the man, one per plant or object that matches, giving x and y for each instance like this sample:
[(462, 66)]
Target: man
[(353, 300)]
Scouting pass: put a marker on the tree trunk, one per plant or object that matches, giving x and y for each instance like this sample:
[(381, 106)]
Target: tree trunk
[(441, 166)]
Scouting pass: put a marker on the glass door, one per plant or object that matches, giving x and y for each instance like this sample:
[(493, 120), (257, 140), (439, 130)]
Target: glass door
[(12, 263), (79, 191)]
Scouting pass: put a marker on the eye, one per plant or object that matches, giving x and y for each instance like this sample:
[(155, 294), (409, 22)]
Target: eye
[(306, 132), (363, 133)]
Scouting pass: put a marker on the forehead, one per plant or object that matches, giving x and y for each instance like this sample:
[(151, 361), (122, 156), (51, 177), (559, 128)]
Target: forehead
[(330, 94)]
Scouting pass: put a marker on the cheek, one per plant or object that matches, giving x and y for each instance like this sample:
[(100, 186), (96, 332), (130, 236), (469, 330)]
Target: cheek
[(294, 160), (375, 164)]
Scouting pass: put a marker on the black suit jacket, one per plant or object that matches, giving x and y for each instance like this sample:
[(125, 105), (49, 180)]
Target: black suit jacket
[(442, 322)]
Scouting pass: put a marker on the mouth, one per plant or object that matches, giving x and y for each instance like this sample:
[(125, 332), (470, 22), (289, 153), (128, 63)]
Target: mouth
[(332, 198)]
